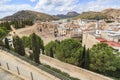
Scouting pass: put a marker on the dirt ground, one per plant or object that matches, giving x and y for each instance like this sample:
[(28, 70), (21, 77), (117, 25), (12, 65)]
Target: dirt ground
[(47, 35)]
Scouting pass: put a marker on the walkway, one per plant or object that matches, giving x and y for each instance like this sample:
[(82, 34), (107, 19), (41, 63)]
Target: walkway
[(5, 75)]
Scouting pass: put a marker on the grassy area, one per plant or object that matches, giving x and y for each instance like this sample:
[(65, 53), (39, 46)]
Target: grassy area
[(59, 71)]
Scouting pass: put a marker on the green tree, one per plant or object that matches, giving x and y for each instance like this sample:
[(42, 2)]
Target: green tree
[(7, 43), (103, 58), (87, 59), (27, 41), (83, 56), (50, 48), (66, 51), (93, 16), (3, 32), (83, 59), (37, 45), (22, 23), (77, 56), (51, 52), (18, 46), (7, 25)]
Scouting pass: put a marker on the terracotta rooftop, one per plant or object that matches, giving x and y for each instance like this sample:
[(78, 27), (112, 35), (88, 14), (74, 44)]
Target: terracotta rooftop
[(114, 44), (110, 43), (101, 39)]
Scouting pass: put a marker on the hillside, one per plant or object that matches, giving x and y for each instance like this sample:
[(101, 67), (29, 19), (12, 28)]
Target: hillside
[(111, 12), (72, 14), (68, 15), (105, 14), (30, 15), (33, 15), (92, 15)]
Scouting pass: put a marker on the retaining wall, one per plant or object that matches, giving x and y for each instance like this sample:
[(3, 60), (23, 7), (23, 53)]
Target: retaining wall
[(22, 68), (72, 70)]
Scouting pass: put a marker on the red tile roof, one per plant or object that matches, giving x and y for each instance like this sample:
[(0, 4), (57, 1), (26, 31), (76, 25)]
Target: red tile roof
[(110, 43), (114, 44), (101, 39)]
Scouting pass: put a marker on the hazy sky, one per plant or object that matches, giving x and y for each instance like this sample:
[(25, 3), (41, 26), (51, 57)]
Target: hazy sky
[(8, 7)]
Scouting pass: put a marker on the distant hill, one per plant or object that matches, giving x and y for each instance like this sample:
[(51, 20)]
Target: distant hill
[(68, 15), (33, 15), (72, 14), (30, 15), (105, 14), (111, 12), (92, 15)]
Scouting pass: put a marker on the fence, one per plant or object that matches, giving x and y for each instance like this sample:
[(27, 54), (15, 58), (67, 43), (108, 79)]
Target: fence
[(20, 68), (15, 70)]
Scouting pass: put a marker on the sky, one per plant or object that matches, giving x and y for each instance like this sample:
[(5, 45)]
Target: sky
[(53, 7)]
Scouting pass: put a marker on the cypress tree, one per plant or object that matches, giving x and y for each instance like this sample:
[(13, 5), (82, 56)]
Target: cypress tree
[(87, 59), (51, 52), (83, 56), (84, 60), (7, 43), (35, 47), (18, 45), (7, 25)]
